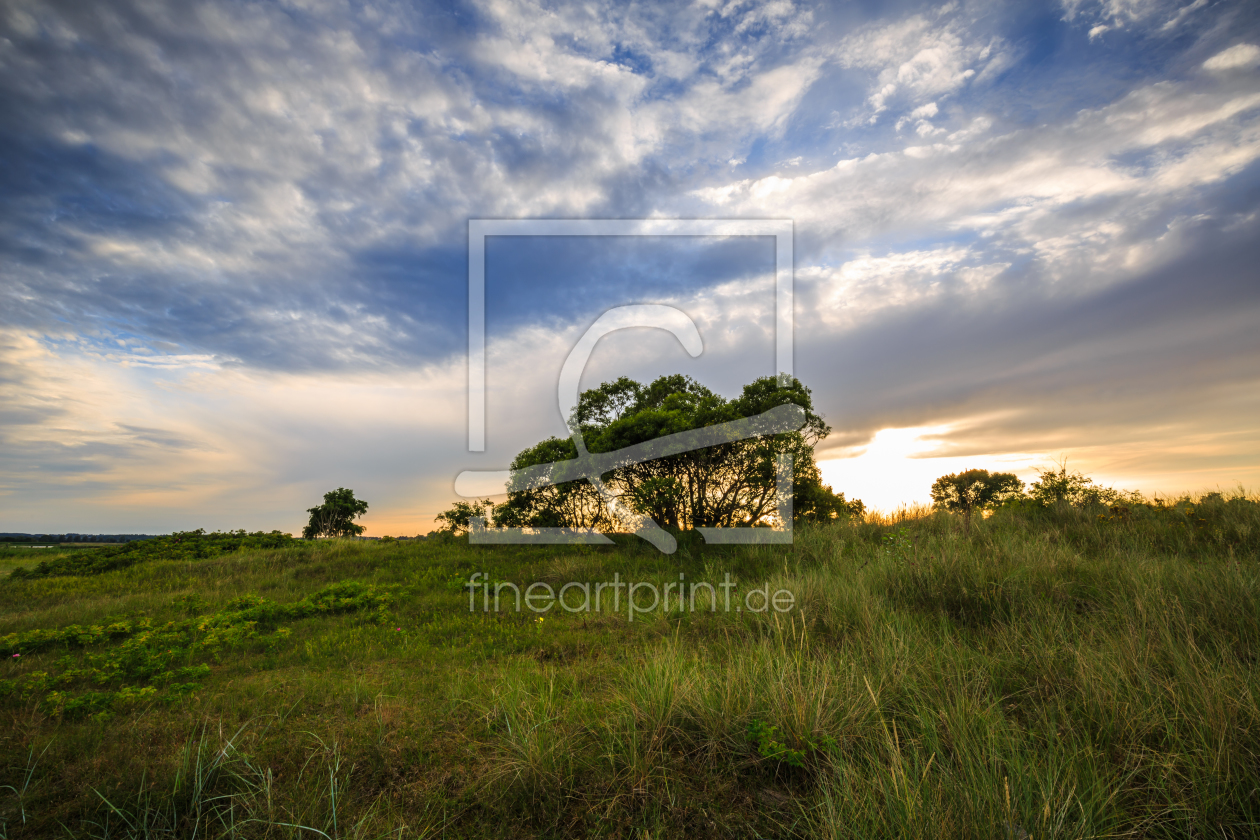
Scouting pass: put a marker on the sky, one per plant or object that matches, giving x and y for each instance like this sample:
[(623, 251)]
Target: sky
[(234, 240)]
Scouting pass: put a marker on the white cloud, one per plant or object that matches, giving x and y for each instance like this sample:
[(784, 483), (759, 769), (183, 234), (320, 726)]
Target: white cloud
[(1234, 58), (405, 148), (916, 59), (925, 112), (1015, 185), (1182, 14), (922, 114), (863, 285), (1119, 14)]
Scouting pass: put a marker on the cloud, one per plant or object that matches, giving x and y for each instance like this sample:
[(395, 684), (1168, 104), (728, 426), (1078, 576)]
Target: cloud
[(1151, 384), (916, 59), (93, 441), (107, 433), (1142, 15), (1236, 57), (1117, 12), (234, 253), (289, 187), (1096, 198), (866, 284)]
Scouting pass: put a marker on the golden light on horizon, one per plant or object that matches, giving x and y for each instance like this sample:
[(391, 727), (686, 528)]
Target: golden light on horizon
[(896, 468)]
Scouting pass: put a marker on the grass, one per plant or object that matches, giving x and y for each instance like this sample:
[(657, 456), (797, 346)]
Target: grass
[(18, 556), (1050, 673)]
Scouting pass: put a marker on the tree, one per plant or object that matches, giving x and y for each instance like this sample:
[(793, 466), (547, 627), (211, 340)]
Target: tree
[(726, 485), (813, 501), (972, 490), (1057, 486), (459, 518), (335, 517)]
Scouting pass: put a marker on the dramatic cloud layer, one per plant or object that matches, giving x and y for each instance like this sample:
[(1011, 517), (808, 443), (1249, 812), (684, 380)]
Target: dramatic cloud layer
[(235, 253)]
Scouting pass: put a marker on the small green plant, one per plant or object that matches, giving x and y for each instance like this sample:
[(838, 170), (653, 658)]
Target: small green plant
[(19, 794), (766, 738), (899, 545)]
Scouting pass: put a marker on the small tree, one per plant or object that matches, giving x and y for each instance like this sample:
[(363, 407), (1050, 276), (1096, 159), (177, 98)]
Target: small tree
[(335, 517), (972, 490), (458, 519), (1056, 486)]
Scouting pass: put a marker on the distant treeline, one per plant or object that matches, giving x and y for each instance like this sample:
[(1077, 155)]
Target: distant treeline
[(84, 538)]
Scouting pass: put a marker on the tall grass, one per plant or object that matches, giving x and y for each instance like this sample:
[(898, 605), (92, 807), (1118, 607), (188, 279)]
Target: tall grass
[(1046, 673)]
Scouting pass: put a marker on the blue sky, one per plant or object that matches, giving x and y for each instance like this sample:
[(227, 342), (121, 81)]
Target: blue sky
[(233, 239)]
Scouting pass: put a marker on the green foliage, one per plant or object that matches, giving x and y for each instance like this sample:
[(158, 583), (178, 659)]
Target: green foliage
[(899, 545), (766, 739), (572, 502), (1058, 486), (726, 485), (458, 519), (183, 545), (815, 502), (973, 490), (138, 659), (658, 497), (335, 517)]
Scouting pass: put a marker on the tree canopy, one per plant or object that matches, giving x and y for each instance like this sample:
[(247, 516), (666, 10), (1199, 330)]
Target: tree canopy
[(335, 517), (726, 485), (458, 519), (973, 490), (1058, 486)]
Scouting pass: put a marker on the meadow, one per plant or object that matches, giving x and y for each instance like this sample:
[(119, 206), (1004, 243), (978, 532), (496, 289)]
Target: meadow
[(1045, 672)]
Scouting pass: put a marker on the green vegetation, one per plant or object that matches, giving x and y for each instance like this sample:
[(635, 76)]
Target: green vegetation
[(137, 660), (1057, 670), (335, 517), (458, 519), (727, 485), (972, 490), (184, 545)]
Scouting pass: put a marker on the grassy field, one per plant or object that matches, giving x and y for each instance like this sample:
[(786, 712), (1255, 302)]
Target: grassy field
[(1044, 673)]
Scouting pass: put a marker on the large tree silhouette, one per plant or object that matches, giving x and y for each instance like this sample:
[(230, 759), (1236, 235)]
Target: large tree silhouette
[(727, 485)]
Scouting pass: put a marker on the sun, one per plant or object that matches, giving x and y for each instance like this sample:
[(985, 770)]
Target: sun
[(898, 466)]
